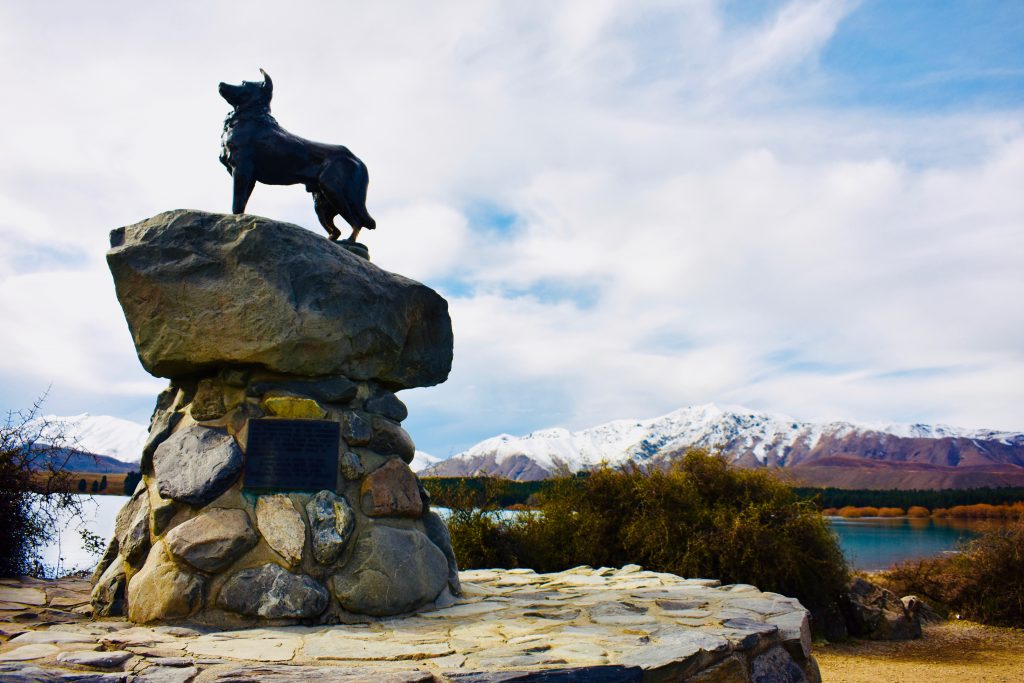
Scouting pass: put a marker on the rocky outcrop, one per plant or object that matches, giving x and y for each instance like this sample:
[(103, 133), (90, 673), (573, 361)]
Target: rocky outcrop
[(276, 460), (203, 290), (876, 613)]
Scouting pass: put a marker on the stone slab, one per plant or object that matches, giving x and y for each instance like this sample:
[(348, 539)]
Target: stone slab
[(583, 624)]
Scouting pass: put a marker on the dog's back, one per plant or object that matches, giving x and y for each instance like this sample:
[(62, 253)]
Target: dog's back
[(255, 148)]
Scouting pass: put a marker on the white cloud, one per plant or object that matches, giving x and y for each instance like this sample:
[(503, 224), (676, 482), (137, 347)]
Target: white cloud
[(690, 224)]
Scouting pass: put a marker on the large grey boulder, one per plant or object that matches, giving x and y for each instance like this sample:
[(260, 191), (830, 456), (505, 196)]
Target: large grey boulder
[(196, 464), (876, 613), (437, 532), (391, 571), (272, 592), (202, 290)]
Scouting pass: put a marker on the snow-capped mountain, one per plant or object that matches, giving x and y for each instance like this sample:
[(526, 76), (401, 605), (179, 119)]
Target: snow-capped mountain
[(752, 439), (422, 461), (103, 435)]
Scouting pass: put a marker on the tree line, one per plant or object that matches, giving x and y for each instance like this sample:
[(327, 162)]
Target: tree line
[(526, 492)]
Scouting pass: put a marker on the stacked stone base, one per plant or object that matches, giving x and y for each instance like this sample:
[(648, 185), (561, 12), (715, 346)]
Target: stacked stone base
[(194, 543)]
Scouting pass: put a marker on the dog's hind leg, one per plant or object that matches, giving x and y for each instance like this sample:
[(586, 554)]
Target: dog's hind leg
[(340, 183), (325, 212)]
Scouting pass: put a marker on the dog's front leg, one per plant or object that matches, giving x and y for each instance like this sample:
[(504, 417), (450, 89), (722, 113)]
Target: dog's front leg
[(244, 176)]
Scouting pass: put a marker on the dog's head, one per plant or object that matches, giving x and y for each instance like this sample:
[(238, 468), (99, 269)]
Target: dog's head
[(249, 95)]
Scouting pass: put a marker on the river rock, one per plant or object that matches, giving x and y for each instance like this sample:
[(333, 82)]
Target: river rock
[(213, 540), (208, 403), (776, 666), (272, 592), (389, 438), (355, 430), (331, 521), (391, 571), (281, 526), (326, 389), (293, 407), (385, 403), (437, 532), (351, 466), (392, 490), (196, 464), (99, 660), (166, 416), (131, 528), (161, 590), (202, 290)]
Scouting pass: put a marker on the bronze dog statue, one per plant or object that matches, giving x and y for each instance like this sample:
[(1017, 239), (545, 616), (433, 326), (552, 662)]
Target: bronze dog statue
[(255, 148)]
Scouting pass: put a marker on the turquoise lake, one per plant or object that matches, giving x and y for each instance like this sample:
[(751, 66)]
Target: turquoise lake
[(873, 543), (869, 543)]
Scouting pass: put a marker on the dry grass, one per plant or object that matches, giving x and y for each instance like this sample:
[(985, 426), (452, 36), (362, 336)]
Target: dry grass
[(952, 651)]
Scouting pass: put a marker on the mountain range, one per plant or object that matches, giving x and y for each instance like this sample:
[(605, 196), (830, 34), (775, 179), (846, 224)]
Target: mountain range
[(840, 454)]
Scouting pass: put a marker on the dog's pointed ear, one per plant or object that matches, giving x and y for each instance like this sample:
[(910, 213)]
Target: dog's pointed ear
[(267, 83)]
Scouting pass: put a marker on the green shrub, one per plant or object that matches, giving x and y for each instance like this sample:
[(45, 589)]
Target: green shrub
[(701, 518), (984, 582)]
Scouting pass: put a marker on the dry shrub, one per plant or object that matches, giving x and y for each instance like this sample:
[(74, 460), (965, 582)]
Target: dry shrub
[(918, 511), (829, 512), (891, 512), (984, 582), (940, 513), (701, 518), (986, 511), (36, 495), (481, 537), (850, 512)]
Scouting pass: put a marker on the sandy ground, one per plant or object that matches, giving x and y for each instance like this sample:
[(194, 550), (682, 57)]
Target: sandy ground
[(950, 652)]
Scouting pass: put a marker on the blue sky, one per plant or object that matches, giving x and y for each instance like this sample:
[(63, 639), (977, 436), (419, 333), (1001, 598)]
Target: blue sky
[(806, 207)]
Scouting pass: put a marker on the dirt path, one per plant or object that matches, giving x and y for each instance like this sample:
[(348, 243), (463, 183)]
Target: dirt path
[(951, 652)]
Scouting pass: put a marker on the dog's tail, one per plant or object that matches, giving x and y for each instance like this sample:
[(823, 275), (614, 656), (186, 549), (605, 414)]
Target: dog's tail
[(367, 220)]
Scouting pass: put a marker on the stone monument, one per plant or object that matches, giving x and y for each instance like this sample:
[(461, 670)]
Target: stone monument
[(275, 480)]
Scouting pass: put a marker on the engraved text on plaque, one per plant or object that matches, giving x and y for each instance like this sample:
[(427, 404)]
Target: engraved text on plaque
[(292, 455)]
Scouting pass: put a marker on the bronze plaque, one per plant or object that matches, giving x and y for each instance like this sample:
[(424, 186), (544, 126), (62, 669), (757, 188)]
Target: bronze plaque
[(292, 455)]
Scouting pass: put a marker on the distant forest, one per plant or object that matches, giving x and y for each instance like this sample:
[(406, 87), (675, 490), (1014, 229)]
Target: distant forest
[(509, 493)]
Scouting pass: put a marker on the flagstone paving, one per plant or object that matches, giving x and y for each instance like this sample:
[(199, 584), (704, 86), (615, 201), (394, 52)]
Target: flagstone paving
[(582, 624)]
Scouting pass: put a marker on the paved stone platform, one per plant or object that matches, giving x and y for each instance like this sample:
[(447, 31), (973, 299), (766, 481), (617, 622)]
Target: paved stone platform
[(582, 624)]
